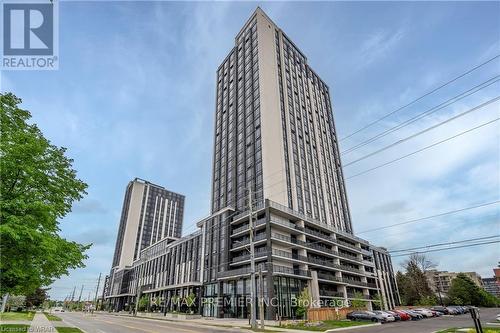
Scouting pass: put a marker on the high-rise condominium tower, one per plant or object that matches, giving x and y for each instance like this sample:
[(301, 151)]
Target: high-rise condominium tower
[(149, 213), (277, 185), (274, 129)]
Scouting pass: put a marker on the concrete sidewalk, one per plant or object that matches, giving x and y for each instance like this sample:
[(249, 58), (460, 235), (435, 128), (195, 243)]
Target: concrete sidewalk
[(40, 323), (243, 324), (271, 325)]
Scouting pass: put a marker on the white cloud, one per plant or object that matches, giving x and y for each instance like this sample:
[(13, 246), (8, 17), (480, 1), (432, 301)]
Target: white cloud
[(378, 45), (457, 174)]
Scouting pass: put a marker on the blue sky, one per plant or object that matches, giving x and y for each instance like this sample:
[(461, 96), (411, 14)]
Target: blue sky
[(134, 96)]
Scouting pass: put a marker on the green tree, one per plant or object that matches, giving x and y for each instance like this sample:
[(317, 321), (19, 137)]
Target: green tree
[(488, 300), (378, 302), (463, 291), (16, 302), (38, 187), (189, 300), (303, 303), (413, 285), (427, 301), (36, 298), (359, 301), (143, 303)]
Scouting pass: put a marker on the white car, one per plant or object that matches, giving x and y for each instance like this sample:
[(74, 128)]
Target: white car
[(388, 317), (498, 317), (425, 312)]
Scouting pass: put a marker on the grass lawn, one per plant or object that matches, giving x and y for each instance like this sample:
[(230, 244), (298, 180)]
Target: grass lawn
[(6, 316), (68, 330), (471, 330), (13, 328), (326, 325), (51, 317)]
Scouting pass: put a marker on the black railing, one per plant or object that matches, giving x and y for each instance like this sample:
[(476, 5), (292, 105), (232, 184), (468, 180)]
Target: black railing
[(291, 271)]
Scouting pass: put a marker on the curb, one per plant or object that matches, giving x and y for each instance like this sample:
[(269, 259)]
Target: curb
[(195, 324), (351, 328)]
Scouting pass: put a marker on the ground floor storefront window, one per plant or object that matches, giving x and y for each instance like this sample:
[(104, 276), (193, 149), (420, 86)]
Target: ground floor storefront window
[(287, 289)]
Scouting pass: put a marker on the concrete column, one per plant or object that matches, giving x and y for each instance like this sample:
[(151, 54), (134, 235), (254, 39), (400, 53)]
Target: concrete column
[(314, 288), (344, 291), (369, 305)]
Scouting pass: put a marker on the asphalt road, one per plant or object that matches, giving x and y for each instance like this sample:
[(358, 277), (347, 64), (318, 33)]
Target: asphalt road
[(101, 323), (431, 324)]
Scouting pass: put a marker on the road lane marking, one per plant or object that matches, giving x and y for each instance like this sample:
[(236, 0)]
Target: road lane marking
[(156, 325), (135, 328), (71, 323)]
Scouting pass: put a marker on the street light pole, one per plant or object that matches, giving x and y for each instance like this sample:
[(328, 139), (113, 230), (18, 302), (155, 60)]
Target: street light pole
[(253, 316)]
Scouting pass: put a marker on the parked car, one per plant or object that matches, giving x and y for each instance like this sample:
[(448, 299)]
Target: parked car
[(426, 313), (455, 310), (414, 315), (403, 315), (440, 309), (388, 317), (394, 314), (435, 313), (365, 315)]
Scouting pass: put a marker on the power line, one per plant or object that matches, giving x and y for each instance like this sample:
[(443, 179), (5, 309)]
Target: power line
[(422, 149), (419, 116), (430, 217), (395, 233), (448, 248), (423, 131), (442, 244), (419, 98)]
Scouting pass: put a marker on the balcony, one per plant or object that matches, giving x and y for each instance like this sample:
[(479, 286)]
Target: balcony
[(257, 207), (234, 272), (314, 246), (349, 245), (329, 277), (246, 226), (246, 241), (313, 221), (258, 254), (290, 271), (331, 293), (359, 283), (241, 271), (351, 295)]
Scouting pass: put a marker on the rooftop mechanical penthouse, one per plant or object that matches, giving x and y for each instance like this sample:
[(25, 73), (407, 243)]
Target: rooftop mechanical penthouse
[(276, 167)]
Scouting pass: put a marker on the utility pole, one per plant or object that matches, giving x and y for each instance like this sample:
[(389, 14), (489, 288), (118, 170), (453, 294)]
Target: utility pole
[(70, 307), (261, 299), (98, 283), (80, 297), (253, 319)]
